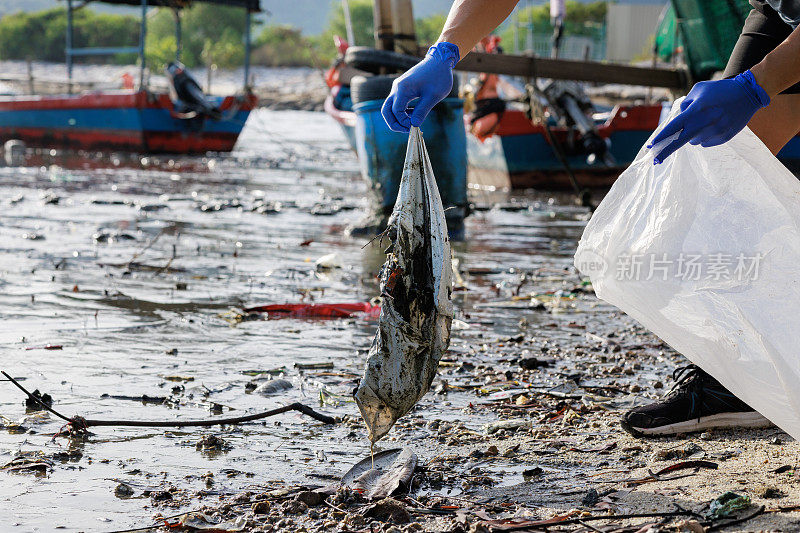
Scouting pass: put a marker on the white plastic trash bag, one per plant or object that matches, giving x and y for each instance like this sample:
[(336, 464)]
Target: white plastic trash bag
[(704, 250)]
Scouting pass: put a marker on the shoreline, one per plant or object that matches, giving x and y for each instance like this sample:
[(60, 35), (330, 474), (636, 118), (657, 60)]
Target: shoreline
[(524, 428)]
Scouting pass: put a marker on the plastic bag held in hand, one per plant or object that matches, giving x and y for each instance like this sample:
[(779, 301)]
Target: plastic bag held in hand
[(712, 113), (429, 81), (416, 313), (704, 251)]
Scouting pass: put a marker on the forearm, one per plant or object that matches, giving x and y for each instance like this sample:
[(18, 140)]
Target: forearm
[(780, 69), (470, 21)]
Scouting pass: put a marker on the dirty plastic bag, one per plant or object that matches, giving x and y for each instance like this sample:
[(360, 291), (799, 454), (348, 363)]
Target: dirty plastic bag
[(704, 250), (416, 313)]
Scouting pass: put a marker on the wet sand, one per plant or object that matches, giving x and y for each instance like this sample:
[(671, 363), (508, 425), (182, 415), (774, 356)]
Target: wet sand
[(138, 268)]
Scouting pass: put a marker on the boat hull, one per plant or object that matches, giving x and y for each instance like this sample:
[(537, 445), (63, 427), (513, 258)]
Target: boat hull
[(381, 153), (340, 108), (123, 121), (519, 155)]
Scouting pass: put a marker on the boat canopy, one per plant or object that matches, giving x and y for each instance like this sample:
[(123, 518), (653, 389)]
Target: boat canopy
[(253, 6), (250, 6)]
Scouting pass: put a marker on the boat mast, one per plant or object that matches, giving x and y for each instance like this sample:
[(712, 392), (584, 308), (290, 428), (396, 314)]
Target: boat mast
[(177, 13), (71, 52), (247, 49), (394, 26), (141, 44), (348, 23), (69, 46), (403, 30), (382, 15)]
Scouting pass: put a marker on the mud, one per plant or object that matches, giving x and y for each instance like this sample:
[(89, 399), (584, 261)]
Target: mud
[(143, 290)]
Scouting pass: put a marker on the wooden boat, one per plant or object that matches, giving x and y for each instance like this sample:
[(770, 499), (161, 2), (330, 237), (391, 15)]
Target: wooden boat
[(518, 154), (339, 107), (354, 102), (508, 150), (135, 120)]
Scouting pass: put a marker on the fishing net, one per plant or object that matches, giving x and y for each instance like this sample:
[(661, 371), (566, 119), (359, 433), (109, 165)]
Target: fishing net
[(707, 30)]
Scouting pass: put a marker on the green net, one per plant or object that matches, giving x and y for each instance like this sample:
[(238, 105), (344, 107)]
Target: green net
[(707, 31), (667, 39)]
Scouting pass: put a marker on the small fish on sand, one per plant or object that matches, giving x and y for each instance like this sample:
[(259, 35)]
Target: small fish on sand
[(273, 386)]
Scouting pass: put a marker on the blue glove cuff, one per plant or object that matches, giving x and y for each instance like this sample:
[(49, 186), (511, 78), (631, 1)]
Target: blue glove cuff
[(445, 52), (754, 90)]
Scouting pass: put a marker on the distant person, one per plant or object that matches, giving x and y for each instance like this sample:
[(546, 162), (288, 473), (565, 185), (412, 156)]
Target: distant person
[(761, 90), (127, 81), (558, 11)]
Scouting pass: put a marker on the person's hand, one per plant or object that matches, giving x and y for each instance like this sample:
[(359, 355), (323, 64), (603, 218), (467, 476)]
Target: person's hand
[(712, 113), (429, 80)]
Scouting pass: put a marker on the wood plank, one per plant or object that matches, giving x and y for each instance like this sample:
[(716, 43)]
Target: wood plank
[(564, 69)]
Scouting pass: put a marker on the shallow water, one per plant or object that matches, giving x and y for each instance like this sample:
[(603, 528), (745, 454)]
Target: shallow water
[(148, 312)]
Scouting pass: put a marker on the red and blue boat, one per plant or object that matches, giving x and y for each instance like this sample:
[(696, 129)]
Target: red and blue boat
[(130, 121), (549, 135), (358, 90), (518, 154), (134, 120), (571, 145)]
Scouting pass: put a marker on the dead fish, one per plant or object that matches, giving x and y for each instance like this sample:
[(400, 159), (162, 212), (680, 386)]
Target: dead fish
[(383, 474), (110, 236), (273, 386), (324, 209), (416, 285)]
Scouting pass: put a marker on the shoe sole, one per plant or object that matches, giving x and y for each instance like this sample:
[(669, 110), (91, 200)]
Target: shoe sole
[(722, 420)]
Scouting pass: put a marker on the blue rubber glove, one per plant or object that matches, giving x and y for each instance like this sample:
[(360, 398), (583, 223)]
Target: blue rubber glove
[(430, 80), (712, 113)]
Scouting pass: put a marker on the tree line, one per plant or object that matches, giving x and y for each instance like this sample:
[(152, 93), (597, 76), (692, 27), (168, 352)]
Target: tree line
[(213, 34)]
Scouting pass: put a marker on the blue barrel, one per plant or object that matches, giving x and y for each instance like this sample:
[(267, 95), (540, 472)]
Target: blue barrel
[(382, 152)]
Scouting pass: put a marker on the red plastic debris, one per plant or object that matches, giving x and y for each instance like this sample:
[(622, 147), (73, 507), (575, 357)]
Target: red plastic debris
[(46, 347), (338, 310)]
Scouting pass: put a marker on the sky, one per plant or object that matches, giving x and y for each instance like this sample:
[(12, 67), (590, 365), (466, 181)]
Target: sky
[(310, 15)]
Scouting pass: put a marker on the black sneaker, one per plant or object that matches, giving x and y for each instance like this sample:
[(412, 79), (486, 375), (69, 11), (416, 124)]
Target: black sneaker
[(697, 402)]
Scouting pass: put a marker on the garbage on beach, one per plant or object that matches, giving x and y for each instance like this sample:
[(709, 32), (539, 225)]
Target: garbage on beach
[(29, 462), (273, 386), (703, 250), (199, 521), (332, 310), (513, 423), (727, 504), (328, 262), (416, 285), (385, 473)]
